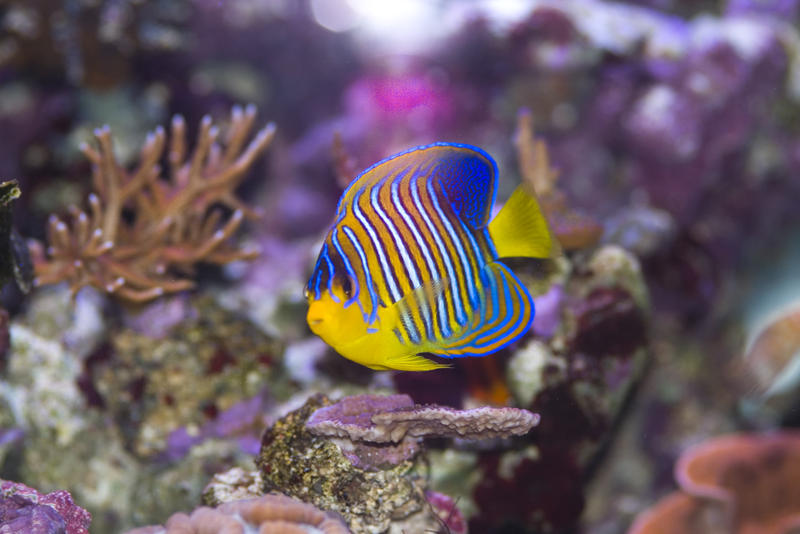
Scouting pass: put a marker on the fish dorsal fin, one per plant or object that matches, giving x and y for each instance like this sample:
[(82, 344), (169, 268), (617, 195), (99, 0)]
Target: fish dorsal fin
[(520, 229), (466, 174), (505, 314)]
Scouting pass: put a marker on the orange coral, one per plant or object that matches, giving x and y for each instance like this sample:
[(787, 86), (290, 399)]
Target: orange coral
[(741, 484), (573, 229), (344, 164), (776, 345), (144, 232), (271, 514)]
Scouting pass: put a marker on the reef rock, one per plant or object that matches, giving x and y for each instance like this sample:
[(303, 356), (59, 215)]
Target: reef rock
[(383, 493), (24, 509)]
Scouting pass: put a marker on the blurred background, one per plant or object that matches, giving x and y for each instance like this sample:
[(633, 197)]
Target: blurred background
[(673, 127)]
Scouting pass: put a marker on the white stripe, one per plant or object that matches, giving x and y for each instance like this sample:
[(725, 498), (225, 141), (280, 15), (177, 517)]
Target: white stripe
[(402, 249), (460, 314), (457, 244), (387, 272), (444, 320)]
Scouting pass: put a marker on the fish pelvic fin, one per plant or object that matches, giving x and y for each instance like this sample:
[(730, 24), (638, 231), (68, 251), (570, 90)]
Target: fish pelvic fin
[(520, 229)]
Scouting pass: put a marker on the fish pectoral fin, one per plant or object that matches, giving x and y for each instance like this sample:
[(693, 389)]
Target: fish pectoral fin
[(520, 229), (414, 362), (410, 307), (506, 315)]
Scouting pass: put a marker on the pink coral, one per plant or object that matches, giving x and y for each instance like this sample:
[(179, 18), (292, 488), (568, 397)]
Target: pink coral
[(274, 514), (741, 484)]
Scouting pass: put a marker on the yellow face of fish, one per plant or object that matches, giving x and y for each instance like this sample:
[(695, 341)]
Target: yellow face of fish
[(340, 323), (411, 264), (332, 321)]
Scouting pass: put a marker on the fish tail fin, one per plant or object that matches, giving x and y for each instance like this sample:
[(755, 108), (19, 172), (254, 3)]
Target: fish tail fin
[(520, 229)]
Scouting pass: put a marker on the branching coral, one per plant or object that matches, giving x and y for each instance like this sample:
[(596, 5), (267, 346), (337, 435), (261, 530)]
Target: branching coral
[(144, 232), (276, 514), (573, 229)]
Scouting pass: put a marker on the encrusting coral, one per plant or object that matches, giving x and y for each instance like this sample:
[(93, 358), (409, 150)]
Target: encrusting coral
[(363, 457), (274, 514), (739, 484), (144, 232), (385, 419)]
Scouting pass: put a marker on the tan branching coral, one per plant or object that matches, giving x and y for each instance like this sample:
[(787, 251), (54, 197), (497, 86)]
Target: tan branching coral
[(573, 229), (143, 232), (344, 164), (739, 484), (270, 514)]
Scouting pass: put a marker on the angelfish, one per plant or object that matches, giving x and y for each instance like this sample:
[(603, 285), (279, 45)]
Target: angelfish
[(411, 263)]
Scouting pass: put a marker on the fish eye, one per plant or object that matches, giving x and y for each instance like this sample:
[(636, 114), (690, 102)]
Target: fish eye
[(347, 287)]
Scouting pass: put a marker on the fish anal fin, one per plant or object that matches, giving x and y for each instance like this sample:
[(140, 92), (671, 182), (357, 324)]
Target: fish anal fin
[(520, 229), (414, 362)]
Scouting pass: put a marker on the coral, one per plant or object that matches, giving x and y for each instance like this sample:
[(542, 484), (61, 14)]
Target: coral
[(573, 229), (742, 484), (382, 419), (205, 379), (445, 507), (270, 513), (15, 262), (87, 43), (677, 512), (379, 497), (23, 509), (233, 485), (67, 425), (770, 355), (40, 386), (344, 165), (578, 380), (143, 233)]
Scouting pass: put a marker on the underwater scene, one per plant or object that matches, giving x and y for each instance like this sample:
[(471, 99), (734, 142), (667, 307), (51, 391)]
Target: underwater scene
[(400, 267)]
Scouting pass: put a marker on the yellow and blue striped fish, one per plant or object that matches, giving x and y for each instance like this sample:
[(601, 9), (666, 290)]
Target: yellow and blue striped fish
[(410, 265)]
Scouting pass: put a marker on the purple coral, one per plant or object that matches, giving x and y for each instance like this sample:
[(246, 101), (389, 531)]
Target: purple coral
[(389, 419), (24, 509)]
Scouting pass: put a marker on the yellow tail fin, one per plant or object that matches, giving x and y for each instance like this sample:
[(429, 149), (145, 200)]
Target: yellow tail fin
[(520, 230)]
